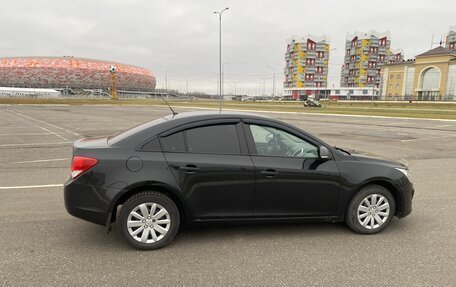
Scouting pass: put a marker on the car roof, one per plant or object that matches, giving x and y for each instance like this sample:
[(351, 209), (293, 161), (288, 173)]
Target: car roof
[(213, 115), (167, 122), (149, 130)]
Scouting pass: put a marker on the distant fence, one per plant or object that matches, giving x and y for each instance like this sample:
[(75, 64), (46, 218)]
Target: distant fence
[(419, 98)]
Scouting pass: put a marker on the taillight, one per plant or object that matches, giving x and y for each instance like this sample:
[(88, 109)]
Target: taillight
[(81, 164)]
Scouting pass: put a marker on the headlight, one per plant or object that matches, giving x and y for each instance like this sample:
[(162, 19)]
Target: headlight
[(404, 171)]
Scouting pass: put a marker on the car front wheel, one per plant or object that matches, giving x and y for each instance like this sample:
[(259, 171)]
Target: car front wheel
[(371, 210), (148, 220)]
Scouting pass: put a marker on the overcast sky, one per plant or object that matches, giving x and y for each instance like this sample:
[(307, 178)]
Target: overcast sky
[(182, 36)]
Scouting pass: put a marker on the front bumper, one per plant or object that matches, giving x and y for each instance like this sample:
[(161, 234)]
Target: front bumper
[(407, 193)]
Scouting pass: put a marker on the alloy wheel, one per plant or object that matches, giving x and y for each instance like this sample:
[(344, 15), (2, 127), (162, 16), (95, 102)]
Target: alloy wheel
[(373, 211), (148, 222)]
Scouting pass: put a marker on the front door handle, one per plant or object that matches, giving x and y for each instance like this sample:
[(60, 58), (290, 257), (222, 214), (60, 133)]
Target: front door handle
[(190, 168), (269, 172)]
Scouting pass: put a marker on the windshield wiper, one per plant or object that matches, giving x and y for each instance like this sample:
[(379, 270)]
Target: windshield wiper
[(342, 150)]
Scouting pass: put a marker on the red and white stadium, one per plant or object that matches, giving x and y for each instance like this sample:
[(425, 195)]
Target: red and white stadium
[(73, 73)]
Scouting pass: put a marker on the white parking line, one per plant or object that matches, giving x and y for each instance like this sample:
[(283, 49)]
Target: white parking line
[(422, 139), (43, 128), (30, 186), (56, 134), (25, 134), (35, 144), (35, 161), (15, 127), (49, 124)]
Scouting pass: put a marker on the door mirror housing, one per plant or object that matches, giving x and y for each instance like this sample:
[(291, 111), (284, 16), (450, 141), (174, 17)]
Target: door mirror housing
[(324, 153)]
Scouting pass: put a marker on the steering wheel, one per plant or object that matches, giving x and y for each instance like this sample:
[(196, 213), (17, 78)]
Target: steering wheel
[(274, 146), (296, 152)]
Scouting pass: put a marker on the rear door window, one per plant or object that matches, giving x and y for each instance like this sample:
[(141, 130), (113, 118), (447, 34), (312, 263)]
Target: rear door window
[(219, 139), (214, 139)]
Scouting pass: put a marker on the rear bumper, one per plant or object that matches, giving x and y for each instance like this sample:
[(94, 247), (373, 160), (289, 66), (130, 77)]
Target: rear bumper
[(87, 202), (407, 193)]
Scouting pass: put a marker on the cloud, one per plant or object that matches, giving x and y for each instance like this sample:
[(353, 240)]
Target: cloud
[(182, 36)]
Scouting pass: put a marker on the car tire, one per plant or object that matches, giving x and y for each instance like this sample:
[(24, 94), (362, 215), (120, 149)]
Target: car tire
[(365, 217), (148, 220)]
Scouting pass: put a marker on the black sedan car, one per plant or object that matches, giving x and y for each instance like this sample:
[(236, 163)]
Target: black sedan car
[(208, 167)]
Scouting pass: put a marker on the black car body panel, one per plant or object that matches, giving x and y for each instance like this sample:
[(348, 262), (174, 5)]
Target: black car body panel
[(241, 186)]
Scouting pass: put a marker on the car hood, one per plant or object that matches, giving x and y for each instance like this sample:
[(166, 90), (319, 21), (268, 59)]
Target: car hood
[(372, 158)]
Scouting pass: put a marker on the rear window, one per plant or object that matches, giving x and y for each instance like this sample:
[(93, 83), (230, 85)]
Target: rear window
[(123, 135)]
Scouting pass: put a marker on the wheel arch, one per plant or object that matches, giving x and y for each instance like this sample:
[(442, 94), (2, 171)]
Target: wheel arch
[(148, 186), (388, 186)]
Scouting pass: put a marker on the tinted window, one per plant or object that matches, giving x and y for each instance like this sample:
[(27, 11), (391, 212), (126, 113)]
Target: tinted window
[(174, 142), (275, 142), (220, 139), (152, 145), (117, 138)]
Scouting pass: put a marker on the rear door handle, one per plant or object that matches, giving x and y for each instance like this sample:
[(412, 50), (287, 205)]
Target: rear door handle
[(190, 168), (269, 172)]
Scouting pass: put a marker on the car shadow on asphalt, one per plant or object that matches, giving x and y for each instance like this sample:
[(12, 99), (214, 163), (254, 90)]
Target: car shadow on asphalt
[(217, 233)]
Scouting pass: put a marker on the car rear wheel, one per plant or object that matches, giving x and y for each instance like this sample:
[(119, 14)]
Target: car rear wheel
[(371, 210), (148, 220)]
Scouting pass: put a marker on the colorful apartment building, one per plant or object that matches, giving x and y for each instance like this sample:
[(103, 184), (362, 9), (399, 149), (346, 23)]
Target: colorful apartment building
[(450, 41), (365, 54), (306, 62)]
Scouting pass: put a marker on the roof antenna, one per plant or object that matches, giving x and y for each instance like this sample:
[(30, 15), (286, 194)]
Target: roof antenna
[(174, 113)]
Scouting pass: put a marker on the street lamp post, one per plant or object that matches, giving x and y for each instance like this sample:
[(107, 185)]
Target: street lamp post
[(264, 87), (216, 76), (166, 79), (223, 77), (327, 74), (273, 80), (220, 53)]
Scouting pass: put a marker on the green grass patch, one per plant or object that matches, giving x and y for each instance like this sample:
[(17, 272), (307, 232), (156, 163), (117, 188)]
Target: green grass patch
[(396, 109)]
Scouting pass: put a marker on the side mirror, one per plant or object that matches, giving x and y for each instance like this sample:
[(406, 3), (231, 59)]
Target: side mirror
[(324, 153)]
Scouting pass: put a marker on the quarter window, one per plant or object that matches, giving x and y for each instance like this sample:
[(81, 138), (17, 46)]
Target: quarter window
[(152, 145), (270, 141), (174, 142)]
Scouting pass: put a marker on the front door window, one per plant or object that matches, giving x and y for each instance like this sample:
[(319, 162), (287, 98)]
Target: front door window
[(270, 141)]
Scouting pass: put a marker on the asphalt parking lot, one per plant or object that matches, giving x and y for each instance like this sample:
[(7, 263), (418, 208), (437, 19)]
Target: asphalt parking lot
[(40, 244)]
